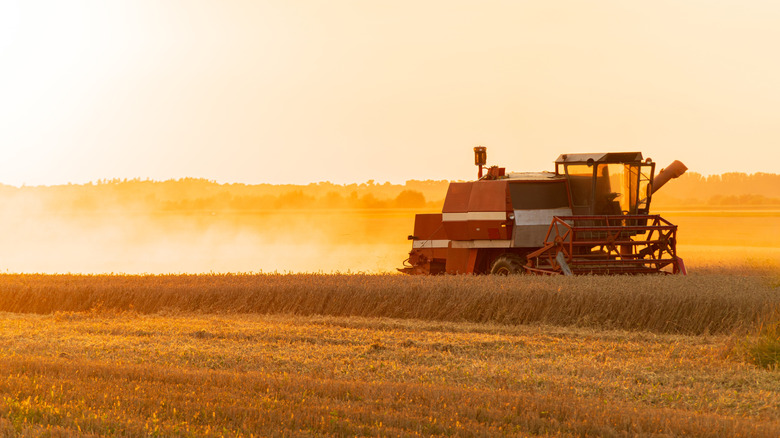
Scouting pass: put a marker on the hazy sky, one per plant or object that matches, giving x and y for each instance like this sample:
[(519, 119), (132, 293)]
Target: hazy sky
[(299, 91)]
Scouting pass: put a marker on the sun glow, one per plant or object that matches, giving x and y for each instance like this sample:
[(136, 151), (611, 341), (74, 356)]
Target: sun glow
[(284, 92)]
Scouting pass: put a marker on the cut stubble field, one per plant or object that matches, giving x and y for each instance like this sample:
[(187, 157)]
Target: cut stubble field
[(388, 355)]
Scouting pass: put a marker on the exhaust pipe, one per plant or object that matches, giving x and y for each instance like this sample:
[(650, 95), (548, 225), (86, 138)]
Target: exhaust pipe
[(671, 171), (480, 158)]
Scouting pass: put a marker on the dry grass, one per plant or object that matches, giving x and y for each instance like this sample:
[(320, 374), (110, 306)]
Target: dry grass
[(763, 346), (714, 303), (100, 373)]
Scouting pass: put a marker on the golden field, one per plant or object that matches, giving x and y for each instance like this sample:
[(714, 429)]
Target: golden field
[(718, 302), (264, 375), (388, 355)]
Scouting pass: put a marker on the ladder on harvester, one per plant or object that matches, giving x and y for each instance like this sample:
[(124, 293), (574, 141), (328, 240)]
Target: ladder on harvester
[(608, 244)]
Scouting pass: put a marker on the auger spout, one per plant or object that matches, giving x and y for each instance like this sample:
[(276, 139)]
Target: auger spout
[(671, 171)]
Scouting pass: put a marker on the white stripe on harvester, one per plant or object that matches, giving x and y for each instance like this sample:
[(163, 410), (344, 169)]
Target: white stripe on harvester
[(474, 216), (481, 243), (439, 243)]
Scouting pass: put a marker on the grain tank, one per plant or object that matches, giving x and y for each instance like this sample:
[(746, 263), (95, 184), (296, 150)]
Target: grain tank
[(591, 215)]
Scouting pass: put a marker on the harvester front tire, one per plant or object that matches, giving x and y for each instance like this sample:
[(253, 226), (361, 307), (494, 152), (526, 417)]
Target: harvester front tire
[(508, 264)]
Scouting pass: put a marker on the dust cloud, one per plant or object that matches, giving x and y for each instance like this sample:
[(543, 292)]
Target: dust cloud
[(41, 241)]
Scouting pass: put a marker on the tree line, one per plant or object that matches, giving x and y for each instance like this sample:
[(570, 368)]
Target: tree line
[(195, 194), (726, 190), (691, 190)]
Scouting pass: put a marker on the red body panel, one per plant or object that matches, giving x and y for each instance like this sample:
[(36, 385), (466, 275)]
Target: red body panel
[(429, 233), (457, 199), (457, 202), (461, 261), (489, 196), (428, 226), (477, 211), (486, 230)]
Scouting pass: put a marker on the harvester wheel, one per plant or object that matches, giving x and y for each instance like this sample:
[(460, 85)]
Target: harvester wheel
[(507, 264)]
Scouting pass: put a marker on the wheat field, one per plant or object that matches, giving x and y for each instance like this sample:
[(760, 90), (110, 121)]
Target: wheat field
[(387, 355), (97, 373), (707, 302)]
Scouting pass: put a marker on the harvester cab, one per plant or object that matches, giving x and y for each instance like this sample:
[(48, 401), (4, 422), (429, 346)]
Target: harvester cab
[(611, 183), (592, 215)]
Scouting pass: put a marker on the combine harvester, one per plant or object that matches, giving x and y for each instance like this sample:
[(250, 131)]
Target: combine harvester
[(592, 216)]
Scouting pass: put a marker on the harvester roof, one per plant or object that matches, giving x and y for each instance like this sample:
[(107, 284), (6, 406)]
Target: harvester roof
[(532, 176), (608, 157)]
